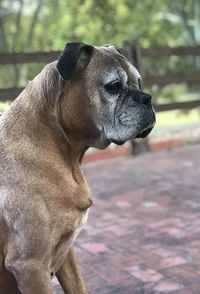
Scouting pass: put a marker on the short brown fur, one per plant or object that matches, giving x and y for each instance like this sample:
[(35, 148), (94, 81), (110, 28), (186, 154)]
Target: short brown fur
[(48, 195), (44, 197)]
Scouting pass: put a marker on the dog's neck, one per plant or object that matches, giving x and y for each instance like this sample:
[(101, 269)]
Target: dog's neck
[(40, 126)]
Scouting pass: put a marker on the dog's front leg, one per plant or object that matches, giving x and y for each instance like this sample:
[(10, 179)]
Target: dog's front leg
[(70, 277), (30, 276)]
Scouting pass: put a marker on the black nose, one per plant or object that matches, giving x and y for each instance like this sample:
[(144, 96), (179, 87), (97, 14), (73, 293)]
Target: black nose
[(142, 97)]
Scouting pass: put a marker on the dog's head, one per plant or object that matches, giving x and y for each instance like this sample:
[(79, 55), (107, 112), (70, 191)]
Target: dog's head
[(103, 101)]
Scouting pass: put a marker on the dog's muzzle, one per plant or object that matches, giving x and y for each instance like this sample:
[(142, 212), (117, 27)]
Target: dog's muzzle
[(145, 132), (145, 99)]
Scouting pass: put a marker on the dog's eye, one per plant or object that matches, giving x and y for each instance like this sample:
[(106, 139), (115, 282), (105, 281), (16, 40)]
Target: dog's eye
[(113, 88)]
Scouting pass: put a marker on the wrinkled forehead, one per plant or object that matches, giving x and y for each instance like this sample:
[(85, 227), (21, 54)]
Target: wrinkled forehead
[(116, 66)]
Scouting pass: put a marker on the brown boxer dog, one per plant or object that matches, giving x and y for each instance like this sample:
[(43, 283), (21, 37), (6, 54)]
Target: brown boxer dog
[(89, 97)]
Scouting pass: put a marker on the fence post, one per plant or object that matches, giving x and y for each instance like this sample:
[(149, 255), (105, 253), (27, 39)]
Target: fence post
[(135, 53)]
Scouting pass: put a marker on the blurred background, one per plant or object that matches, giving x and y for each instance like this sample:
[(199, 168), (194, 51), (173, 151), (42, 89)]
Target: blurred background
[(161, 38), (143, 231)]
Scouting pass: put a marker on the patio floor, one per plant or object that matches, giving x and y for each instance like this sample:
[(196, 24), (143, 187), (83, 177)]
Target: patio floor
[(143, 231)]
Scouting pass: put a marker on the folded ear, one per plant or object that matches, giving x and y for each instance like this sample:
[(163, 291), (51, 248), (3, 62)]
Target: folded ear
[(75, 56)]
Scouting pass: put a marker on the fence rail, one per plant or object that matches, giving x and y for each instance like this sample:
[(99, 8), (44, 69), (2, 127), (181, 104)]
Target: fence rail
[(136, 55), (43, 57), (193, 78), (177, 105), (9, 93), (21, 58), (168, 51)]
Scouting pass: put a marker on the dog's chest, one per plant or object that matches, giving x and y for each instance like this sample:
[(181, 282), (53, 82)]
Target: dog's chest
[(66, 242)]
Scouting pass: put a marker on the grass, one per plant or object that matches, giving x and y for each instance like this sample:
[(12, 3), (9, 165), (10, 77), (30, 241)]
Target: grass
[(177, 117), (163, 119), (3, 106)]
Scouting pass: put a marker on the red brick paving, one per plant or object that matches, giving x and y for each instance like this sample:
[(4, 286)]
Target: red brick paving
[(143, 231)]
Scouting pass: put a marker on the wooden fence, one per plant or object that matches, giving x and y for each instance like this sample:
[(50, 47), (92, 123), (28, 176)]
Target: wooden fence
[(134, 53)]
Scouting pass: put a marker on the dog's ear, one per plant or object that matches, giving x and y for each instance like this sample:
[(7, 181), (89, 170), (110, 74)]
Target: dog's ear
[(75, 56)]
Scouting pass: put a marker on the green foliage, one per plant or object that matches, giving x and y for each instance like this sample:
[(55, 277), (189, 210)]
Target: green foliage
[(44, 25), (176, 117), (3, 106)]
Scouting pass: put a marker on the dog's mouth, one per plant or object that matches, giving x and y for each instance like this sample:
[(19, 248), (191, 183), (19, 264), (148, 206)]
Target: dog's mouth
[(145, 133)]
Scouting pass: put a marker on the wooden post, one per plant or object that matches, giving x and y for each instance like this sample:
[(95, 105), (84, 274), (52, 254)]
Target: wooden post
[(139, 146), (136, 56)]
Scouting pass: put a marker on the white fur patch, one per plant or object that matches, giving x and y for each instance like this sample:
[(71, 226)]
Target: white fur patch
[(84, 219), (114, 75), (80, 226)]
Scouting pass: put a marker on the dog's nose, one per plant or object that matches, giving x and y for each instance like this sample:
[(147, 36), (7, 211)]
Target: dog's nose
[(143, 98)]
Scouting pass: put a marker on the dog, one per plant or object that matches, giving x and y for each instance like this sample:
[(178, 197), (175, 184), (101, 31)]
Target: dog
[(89, 97)]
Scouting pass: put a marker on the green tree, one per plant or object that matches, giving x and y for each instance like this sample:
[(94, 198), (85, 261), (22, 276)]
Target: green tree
[(44, 25)]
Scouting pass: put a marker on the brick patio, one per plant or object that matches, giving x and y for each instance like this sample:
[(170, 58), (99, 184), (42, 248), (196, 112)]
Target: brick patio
[(143, 231)]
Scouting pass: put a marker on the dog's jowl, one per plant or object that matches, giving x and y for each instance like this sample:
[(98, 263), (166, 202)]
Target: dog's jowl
[(89, 97)]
